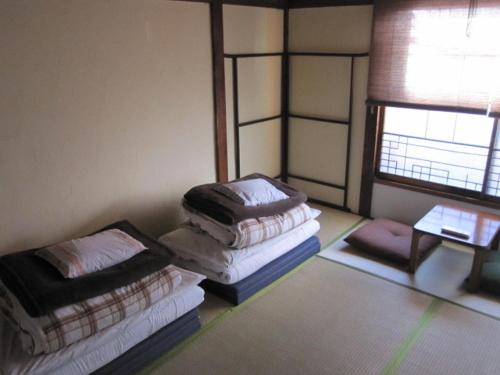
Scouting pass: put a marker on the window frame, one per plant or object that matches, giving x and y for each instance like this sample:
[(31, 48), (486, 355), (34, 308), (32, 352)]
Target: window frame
[(426, 187)]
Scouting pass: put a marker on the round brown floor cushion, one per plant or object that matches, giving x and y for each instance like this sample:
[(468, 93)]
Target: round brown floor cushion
[(390, 240)]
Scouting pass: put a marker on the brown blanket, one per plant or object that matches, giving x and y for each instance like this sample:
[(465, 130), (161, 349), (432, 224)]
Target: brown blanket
[(41, 288), (209, 200)]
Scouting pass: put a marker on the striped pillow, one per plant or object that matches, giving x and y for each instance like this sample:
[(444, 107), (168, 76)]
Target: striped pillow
[(85, 255)]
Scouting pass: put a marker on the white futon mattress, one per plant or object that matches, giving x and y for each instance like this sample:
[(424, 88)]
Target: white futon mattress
[(197, 259), (94, 352)]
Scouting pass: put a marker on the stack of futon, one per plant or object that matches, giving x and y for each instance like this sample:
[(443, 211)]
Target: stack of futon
[(244, 234), (74, 307)]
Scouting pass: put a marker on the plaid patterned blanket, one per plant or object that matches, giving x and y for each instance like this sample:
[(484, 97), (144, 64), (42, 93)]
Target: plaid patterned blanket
[(253, 231), (72, 323), (250, 231)]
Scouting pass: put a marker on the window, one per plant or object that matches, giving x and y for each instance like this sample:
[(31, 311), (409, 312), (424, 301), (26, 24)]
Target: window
[(435, 81), (440, 150), (434, 54)]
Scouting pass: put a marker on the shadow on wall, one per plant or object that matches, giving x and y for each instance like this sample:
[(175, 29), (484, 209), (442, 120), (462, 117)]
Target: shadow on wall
[(146, 214)]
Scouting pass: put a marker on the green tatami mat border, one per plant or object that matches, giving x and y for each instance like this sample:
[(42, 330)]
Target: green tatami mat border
[(219, 319), (403, 285), (394, 365), (232, 310), (411, 288), (331, 242)]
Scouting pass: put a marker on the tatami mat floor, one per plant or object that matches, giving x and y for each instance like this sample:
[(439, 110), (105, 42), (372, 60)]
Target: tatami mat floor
[(325, 318), (333, 224), (442, 275)]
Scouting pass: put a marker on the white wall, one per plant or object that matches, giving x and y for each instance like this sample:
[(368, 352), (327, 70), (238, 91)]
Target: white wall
[(331, 29), (409, 206), (254, 30), (319, 86), (106, 113)]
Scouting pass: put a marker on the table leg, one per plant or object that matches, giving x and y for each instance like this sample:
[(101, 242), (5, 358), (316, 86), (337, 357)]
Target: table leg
[(494, 244), (477, 266), (415, 237)]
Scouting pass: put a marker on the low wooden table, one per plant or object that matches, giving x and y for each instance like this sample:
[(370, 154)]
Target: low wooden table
[(483, 228)]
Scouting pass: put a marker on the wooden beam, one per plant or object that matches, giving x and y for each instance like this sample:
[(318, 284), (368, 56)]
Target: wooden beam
[(219, 89), (236, 118), (349, 137), (329, 54), (253, 55), (279, 4), (196, 1), (369, 161), (285, 74), (326, 3), (319, 182), (328, 204)]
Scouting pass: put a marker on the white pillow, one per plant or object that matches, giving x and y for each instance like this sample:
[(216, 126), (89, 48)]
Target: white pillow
[(256, 192), (85, 255)]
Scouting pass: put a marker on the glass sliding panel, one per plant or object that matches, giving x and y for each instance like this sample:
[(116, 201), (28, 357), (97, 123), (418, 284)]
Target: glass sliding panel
[(440, 147)]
